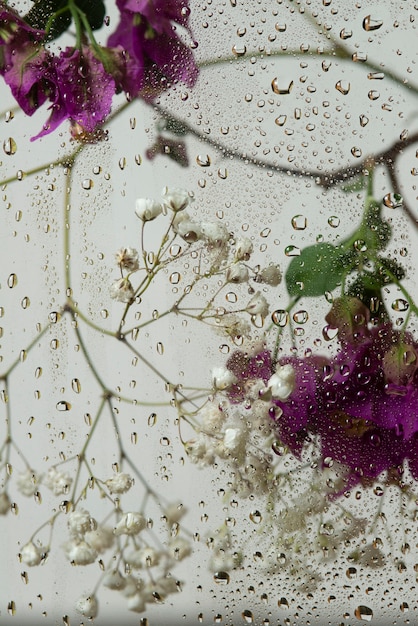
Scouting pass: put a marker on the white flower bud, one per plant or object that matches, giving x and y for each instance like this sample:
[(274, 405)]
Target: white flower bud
[(211, 417), (147, 209), (176, 199), (234, 439), (243, 249), (57, 482), (80, 552), (100, 539), (130, 524), (282, 383), (174, 512), (87, 606), (215, 233), (223, 378), (270, 275), (258, 305), (128, 259), (114, 580), (79, 522), (32, 555), (121, 290), (143, 558), (27, 482), (180, 548), (237, 273), (136, 603), (4, 503), (119, 483)]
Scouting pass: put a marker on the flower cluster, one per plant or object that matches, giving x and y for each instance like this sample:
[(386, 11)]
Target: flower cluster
[(144, 56)]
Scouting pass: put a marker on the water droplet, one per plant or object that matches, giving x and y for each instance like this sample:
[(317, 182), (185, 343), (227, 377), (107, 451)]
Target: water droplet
[(346, 34), (138, 159), (364, 613), (221, 578), (400, 305), (393, 200), (280, 317), (87, 183), (239, 50), (359, 57), (373, 94), (25, 303), (160, 347), (256, 517), (152, 419), (370, 23), (281, 120), (63, 405), (11, 607), (351, 572), (76, 385), (299, 222), (292, 251), (334, 221), (203, 160), (134, 438), (364, 120), (247, 616), (283, 88), (122, 163), (301, 317), (12, 281), (343, 87), (9, 146)]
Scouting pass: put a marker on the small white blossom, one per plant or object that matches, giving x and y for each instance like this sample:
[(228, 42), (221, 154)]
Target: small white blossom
[(100, 539), (4, 503), (147, 209), (130, 524), (223, 378), (214, 233), (114, 580), (199, 451), (162, 586), (57, 482), (234, 440), (282, 383), (143, 557), (270, 275), (234, 326), (79, 522), (174, 512), (128, 259), (80, 552), (243, 249), (237, 273), (121, 290), (136, 603), (187, 229), (176, 199), (132, 586), (119, 483), (87, 606), (211, 418), (32, 555), (180, 548), (258, 305), (27, 482)]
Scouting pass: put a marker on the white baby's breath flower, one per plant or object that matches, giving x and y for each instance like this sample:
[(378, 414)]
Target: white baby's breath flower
[(282, 383), (114, 580), (200, 451), (130, 524), (57, 482), (100, 539), (119, 483), (87, 606), (163, 587), (137, 603), (214, 233), (270, 275), (132, 586), (27, 482), (237, 273), (147, 209), (234, 326), (211, 418), (143, 558), (243, 249), (31, 554), (79, 522), (121, 290), (187, 229), (128, 259), (180, 548), (79, 552), (222, 378), (258, 305), (174, 512), (4, 503), (176, 199), (234, 440)]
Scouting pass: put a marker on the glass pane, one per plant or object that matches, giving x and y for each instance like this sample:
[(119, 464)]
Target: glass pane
[(209, 387)]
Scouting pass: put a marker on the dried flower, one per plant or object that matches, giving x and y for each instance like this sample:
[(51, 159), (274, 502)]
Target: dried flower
[(237, 273), (87, 606), (127, 258), (57, 482), (27, 482), (222, 378), (176, 199), (31, 554), (258, 305), (270, 275), (122, 290)]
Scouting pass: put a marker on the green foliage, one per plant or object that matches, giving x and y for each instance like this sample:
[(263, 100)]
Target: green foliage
[(318, 269), (42, 11)]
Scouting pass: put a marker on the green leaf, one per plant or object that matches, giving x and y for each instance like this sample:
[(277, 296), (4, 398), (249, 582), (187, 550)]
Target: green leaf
[(41, 12), (94, 11), (318, 269)]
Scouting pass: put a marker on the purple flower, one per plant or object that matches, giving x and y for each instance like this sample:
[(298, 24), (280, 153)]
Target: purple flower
[(156, 56), (81, 91)]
